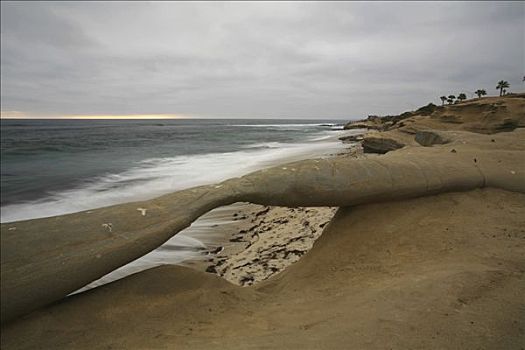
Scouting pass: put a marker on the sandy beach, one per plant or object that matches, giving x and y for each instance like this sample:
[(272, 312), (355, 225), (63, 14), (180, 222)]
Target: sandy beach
[(427, 254)]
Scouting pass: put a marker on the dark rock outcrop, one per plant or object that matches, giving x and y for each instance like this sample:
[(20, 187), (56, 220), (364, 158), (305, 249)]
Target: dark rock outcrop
[(351, 138), (427, 110), (507, 125), (362, 125), (388, 122), (380, 145), (429, 138)]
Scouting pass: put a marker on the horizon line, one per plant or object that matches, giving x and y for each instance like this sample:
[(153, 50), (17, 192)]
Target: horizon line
[(199, 118), (22, 115), (161, 117)]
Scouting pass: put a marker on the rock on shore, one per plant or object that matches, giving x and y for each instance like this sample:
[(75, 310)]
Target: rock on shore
[(487, 116)]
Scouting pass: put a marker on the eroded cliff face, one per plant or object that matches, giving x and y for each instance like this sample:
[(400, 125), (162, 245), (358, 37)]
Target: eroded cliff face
[(44, 260), (487, 115)]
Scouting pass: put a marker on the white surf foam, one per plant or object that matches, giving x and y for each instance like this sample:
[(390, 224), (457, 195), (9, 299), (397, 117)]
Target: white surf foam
[(153, 177), (264, 145), (280, 125)]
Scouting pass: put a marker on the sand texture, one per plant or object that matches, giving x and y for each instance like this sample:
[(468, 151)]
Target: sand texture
[(263, 241)]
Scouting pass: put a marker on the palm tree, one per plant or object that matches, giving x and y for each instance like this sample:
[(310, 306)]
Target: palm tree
[(502, 84), (480, 92), (443, 99), (451, 99), (462, 97)]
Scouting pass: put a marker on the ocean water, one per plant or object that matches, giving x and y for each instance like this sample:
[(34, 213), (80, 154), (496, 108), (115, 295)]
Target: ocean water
[(53, 167)]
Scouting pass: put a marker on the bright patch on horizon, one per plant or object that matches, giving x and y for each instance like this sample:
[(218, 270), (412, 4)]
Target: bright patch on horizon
[(130, 116), (22, 115), (12, 115)]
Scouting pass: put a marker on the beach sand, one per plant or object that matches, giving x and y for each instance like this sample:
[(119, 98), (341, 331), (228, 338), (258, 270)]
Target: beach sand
[(261, 241)]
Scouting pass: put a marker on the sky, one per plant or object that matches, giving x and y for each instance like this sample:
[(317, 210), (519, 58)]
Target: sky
[(337, 60)]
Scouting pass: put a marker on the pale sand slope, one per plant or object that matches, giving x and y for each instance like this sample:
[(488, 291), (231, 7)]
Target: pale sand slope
[(441, 272)]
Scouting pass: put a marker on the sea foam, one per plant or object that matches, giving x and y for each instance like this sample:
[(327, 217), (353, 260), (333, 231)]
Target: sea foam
[(153, 177)]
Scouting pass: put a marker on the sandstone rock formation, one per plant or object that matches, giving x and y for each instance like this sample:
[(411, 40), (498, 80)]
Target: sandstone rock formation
[(486, 115), (380, 145), (44, 260)]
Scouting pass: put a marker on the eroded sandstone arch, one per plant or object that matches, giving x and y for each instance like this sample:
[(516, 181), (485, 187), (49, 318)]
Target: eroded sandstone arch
[(43, 260)]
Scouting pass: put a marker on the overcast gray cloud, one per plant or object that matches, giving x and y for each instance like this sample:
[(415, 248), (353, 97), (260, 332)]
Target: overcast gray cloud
[(278, 59)]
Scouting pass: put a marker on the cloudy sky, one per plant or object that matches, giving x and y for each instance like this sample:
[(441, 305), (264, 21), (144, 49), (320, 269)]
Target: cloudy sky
[(252, 60)]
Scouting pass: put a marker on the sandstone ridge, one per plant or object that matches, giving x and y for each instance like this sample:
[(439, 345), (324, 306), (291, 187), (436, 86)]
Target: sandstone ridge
[(44, 260)]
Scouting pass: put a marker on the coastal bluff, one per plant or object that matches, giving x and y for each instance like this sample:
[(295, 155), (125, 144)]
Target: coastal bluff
[(487, 115), (44, 260)]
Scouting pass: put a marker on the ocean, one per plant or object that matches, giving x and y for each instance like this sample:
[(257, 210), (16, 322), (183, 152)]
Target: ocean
[(53, 167)]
